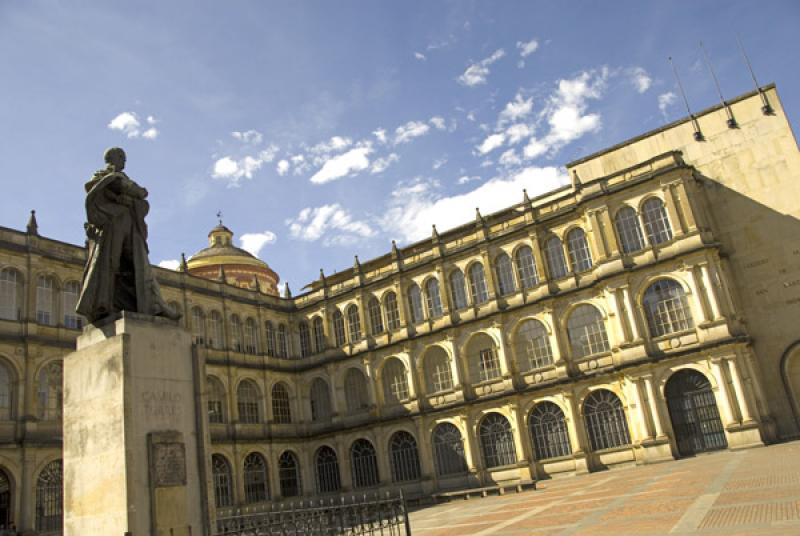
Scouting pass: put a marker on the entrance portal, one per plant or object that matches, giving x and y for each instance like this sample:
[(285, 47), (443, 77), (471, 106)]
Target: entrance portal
[(694, 415)]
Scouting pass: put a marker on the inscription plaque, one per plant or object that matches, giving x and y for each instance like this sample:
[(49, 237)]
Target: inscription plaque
[(167, 460)]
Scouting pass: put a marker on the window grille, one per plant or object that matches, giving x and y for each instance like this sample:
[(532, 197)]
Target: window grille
[(223, 482), (477, 284), (320, 401), (217, 333), (433, 298), (319, 334), (448, 450), (216, 400), (198, 326), (656, 223), (272, 342), (283, 341), (587, 332), (289, 475), (497, 441), (364, 464), (554, 254), (50, 391), (457, 285), (70, 300), (305, 339), (247, 402), (256, 486), (49, 498), (281, 408), (526, 267), (250, 336), (629, 230), (392, 312), (10, 283), (327, 469), (395, 381), (404, 457), (605, 420), (354, 323), (45, 294), (548, 428), (6, 393), (338, 328), (355, 390), (505, 275), (415, 304), (579, 255), (666, 308), (489, 365), (236, 334), (437, 370), (533, 345), (375, 319)]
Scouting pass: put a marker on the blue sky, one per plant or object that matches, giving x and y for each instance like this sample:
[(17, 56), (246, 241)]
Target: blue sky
[(326, 129)]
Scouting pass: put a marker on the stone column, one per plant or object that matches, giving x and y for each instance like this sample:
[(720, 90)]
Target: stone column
[(598, 240), (711, 294), (698, 302), (652, 402), (577, 433), (538, 258), (642, 426), (608, 232), (738, 388), (722, 383), (618, 326), (685, 206), (630, 309), (488, 270), (674, 217)]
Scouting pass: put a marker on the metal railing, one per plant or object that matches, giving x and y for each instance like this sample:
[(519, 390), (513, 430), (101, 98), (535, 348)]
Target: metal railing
[(374, 515)]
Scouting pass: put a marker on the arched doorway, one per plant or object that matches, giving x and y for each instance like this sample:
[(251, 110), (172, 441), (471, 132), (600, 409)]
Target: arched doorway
[(5, 499), (694, 414), (791, 379)]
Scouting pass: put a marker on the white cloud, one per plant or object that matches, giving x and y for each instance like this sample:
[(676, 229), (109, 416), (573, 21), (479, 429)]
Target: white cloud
[(150, 134), (464, 179), (171, 264), (252, 137), (517, 109), (526, 48), (491, 143), (233, 170), (640, 79), (254, 242), (510, 158), (379, 165), (380, 134), (349, 163), (516, 133), (438, 122), (534, 148), (477, 72), (439, 162), (127, 123), (336, 143), (665, 100), (409, 131), (331, 223), (283, 167), (420, 56), (151, 120)]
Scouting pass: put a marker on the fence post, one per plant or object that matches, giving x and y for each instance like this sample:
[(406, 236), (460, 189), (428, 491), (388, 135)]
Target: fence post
[(403, 507)]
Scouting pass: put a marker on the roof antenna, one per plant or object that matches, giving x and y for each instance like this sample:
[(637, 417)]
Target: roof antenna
[(698, 136), (766, 109), (219, 216), (731, 120)]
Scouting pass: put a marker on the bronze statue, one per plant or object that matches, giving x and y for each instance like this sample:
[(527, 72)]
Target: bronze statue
[(117, 276)]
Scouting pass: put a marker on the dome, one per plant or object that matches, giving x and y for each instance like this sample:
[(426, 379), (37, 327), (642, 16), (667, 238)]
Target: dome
[(222, 260)]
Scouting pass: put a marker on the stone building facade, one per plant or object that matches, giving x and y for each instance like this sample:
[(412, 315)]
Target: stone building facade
[(645, 312)]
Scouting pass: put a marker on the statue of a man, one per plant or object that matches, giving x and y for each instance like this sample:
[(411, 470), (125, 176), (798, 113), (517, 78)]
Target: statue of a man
[(117, 276)]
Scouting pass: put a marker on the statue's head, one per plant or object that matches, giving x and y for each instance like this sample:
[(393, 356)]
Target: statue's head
[(115, 157)]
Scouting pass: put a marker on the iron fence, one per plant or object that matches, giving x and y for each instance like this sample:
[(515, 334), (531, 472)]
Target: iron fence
[(374, 515)]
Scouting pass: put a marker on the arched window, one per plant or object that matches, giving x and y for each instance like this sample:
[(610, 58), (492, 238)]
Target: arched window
[(353, 323), (6, 393), (505, 275), (319, 334), (72, 290), (281, 408), (532, 346), (338, 328), (395, 381), (327, 468), (554, 255), (448, 450), (605, 420), (438, 374), (283, 341), (10, 290), (666, 308), (236, 333), (477, 284), (483, 361), (392, 311), (526, 267), (272, 339), (247, 401), (49, 391), (49, 498), (404, 457), (45, 300), (629, 231), (548, 429), (497, 441), (458, 289), (250, 336), (579, 255), (320, 400), (305, 339), (587, 332), (216, 332), (433, 298), (375, 319), (364, 464), (355, 390), (289, 475), (198, 326), (656, 223), (256, 486), (223, 481), (216, 400), (415, 304)]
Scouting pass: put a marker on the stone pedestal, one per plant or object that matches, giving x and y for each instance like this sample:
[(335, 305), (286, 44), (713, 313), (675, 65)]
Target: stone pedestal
[(131, 453)]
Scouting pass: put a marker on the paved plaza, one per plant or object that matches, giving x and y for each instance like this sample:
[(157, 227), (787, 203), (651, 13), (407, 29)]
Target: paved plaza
[(750, 492)]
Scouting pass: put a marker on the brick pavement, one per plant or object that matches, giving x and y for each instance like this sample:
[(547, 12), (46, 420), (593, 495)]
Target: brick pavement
[(750, 492)]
